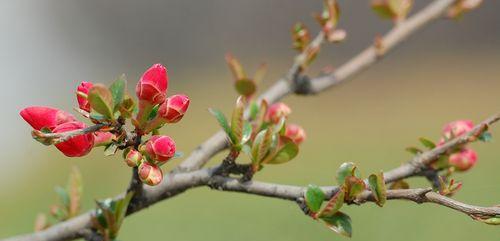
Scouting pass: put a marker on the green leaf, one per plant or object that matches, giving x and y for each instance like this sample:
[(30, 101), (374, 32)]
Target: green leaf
[(120, 211), (377, 185), (63, 196), (154, 112), (245, 87), (286, 153), (247, 132), (223, 123), (101, 100), (333, 205), (314, 197), (261, 145), (485, 137), (280, 126), (355, 186), (339, 223), (413, 150), (110, 149), (237, 119), (345, 170), (117, 89), (254, 110), (427, 143), (491, 221)]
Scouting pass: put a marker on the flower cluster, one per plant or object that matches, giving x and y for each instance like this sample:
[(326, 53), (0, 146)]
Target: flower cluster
[(463, 158), (108, 108)]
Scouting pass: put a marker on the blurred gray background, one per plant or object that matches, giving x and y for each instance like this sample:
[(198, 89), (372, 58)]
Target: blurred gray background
[(447, 71)]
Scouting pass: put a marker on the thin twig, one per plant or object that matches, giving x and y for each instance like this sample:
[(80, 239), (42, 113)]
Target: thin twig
[(64, 136)]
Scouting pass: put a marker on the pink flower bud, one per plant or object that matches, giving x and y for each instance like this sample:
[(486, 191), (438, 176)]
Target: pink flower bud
[(150, 174), (133, 158), (457, 128), (81, 92), (152, 86), (40, 117), (78, 145), (103, 138), (160, 148), (463, 160), (295, 133), (277, 111), (173, 109)]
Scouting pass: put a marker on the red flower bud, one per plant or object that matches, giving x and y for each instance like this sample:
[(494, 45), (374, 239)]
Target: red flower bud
[(463, 160), (295, 133), (277, 111), (103, 138), (81, 95), (133, 158), (457, 128), (40, 117), (160, 148), (78, 145), (173, 109), (152, 87), (150, 174)]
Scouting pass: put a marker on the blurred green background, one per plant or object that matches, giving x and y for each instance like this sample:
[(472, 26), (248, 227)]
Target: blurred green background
[(448, 71)]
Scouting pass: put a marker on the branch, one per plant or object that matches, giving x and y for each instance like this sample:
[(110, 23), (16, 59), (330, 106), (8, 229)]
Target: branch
[(64, 136), (284, 86)]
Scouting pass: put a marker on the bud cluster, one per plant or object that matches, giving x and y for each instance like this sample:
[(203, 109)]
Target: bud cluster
[(464, 157), (109, 108)]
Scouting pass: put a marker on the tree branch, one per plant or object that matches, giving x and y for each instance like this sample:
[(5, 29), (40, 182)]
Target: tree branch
[(188, 175)]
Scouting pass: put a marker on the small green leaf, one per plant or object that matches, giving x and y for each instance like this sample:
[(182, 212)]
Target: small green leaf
[(427, 143), (63, 196), (254, 110), (377, 185), (261, 145), (286, 153), (237, 119), (280, 126), (354, 186), (224, 124), (314, 197), (333, 205), (247, 132), (110, 149), (339, 223), (119, 212), (485, 137), (154, 112), (101, 100), (345, 170), (413, 150), (117, 89), (245, 87), (491, 221)]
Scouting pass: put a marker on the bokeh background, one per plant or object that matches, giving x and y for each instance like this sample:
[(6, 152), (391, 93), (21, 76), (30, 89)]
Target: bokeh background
[(448, 71)]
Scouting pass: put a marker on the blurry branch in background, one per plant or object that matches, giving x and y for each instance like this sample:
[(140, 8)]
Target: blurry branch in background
[(189, 173)]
